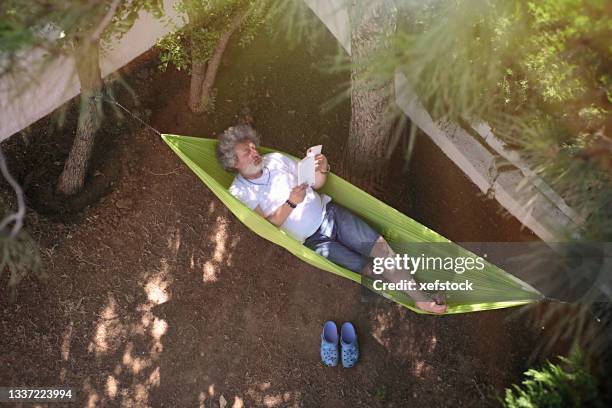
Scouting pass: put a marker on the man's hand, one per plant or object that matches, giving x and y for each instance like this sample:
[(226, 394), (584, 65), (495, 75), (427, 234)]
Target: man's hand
[(298, 193), (321, 163), (321, 169), (280, 215)]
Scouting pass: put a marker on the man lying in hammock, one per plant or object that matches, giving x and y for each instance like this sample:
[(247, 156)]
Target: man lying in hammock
[(268, 185)]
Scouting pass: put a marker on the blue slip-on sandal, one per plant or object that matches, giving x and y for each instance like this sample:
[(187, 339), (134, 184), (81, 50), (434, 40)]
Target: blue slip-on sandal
[(329, 344), (350, 347)]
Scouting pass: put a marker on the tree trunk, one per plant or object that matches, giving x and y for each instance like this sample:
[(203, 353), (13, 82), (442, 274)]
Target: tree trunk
[(72, 179), (366, 162), (202, 104)]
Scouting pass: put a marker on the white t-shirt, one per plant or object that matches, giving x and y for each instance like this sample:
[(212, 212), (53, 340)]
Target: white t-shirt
[(272, 189)]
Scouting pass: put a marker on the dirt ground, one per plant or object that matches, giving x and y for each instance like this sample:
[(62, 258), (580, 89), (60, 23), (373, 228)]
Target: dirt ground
[(157, 296)]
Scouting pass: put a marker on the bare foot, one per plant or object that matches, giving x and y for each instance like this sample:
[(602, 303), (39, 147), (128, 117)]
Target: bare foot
[(432, 307), (438, 297)]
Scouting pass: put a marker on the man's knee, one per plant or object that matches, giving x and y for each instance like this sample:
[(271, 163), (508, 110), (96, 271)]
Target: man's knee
[(381, 249)]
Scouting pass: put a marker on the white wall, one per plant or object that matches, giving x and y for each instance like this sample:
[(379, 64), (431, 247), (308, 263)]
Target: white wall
[(40, 88), (334, 14)]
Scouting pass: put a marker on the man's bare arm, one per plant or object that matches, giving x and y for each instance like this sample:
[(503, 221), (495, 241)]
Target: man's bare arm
[(278, 216)]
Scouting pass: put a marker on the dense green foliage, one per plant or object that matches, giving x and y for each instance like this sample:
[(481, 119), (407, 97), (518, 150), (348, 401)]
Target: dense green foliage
[(206, 21), (567, 385), (538, 72), (19, 257)]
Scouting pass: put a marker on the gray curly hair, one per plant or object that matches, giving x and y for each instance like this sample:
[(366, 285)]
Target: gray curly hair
[(228, 141)]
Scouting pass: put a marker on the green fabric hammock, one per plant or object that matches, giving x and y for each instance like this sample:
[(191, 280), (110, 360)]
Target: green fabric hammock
[(493, 288)]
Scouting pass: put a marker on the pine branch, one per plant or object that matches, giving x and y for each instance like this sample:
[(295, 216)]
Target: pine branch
[(20, 214)]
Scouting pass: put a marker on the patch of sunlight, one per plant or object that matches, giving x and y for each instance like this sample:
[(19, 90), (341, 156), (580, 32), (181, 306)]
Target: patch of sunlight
[(141, 395), (109, 311), (419, 368), (219, 236), (160, 327), (157, 290), (112, 385), (147, 316), (92, 400), (154, 378), (66, 338), (209, 394), (265, 385), (137, 340), (273, 400), (109, 330), (209, 272), (211, 207), (65, 348), (92, 395), (135, 364), (238, 402), (202, 399)]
